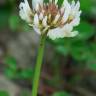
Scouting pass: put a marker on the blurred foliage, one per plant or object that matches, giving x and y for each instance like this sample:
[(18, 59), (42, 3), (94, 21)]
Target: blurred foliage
[(12, 71), (61, 94), (3, 93), (82, 49)]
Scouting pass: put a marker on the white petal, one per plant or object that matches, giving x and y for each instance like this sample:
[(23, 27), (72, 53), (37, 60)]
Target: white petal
[(77, 6), (37, 30), (22, 12), (41, 16), (36, 20), (62, 10), (50, 1), (44, 22), (67, 9), (27, 4), (66, 3), (36, 3), (73, 34), (56, 1), (25, 11), (55, 33), (56, 18), (75, 13), (73, 4), (75, 22), (65, 31)]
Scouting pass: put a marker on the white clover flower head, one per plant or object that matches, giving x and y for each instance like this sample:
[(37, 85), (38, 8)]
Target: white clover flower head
[(49, 19)]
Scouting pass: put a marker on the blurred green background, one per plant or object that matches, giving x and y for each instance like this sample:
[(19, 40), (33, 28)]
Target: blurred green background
[(69, 67)]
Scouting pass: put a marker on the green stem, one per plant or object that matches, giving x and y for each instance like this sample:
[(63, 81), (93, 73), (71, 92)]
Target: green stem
[(38, 66)]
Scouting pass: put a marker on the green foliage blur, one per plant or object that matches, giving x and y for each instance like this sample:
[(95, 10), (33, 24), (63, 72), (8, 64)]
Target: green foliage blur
[(3, 93), (81, 49)]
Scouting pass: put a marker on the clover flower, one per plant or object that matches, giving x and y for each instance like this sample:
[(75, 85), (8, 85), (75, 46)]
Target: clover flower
[(49, 19)]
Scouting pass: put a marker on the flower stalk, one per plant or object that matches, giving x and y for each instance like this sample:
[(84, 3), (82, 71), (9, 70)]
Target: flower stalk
[(50, 20), (38, 66)]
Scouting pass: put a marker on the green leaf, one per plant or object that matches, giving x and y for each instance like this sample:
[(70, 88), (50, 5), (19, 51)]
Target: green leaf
[(92, 67), (25, 93), (60, 2), (75, 79), (80, 51), (4, 16), (4, 93), (11, 68), (46, 1), (26, 73), (61, 94), (11, 62), (86, 31), (14, 22), (64, 50), (9, 73), (86, 5)]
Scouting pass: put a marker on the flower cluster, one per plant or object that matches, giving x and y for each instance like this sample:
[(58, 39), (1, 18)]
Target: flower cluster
[(56, 22)]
